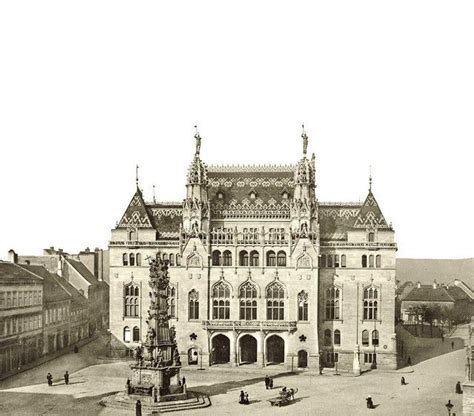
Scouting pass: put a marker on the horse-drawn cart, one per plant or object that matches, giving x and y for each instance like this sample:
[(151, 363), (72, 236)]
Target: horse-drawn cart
[(285, 397)]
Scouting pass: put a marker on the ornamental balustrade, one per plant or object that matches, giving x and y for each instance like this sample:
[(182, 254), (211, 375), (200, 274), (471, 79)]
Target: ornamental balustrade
[(136, 243), (250, 325)]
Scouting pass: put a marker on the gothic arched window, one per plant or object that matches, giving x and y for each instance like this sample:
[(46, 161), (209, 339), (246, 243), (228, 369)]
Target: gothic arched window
[(337, 337), (365, 338), (370, 303), (275, 295), (364, 260), (216, 258), (132, 259), (254, 258), (126, 334), (343, 260), (271, 259), (281, 259), (243, 258), (125, 259), (227, 258), (221, 301), (171, 259), (302, 306), (130, 299), (136, 334), (138, 259), (193, 301), (248, 302), (375, 338), (371, 260), (378, 261), (333, 303)]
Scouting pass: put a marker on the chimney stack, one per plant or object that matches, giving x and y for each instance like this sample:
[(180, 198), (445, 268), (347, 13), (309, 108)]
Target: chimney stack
[(435, 285), (60, 266), (12, 256), (418, 285)]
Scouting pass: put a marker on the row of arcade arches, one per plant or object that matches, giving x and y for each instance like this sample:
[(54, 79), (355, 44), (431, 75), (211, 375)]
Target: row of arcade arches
[(247, 351)]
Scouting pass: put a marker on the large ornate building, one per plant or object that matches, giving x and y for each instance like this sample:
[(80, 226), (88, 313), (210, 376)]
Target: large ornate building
[(261, 271)]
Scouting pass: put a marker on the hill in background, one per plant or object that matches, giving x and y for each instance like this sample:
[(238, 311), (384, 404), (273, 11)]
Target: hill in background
[(441, 270)]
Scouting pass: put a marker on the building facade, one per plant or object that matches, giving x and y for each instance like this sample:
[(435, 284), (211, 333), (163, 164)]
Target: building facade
[(21, 326), (261, 271)]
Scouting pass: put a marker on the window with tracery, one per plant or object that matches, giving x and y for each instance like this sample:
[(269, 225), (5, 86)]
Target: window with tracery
[(271, 259), (333, 302), (302, 306), (281, 259), (370, 303), (275, 295), (131, 301), (248, 301), (193, 303), (221, 301)]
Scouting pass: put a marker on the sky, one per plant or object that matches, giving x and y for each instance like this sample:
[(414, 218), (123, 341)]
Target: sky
[(89, 89)]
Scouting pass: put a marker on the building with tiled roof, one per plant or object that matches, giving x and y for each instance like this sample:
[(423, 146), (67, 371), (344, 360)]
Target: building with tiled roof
[(261, 270)]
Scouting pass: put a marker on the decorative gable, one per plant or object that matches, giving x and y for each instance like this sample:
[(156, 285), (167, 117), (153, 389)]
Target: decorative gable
[(136, 214), (370, 215)]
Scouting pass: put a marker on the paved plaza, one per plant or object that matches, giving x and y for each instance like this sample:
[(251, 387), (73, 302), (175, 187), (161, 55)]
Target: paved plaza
[(430, 384)]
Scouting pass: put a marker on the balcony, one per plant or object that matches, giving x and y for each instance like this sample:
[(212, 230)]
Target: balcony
[(250, 325)]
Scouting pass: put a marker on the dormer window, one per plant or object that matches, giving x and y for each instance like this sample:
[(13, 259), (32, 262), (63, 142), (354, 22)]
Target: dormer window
[(284, 195), (220, 195), (252, 195)]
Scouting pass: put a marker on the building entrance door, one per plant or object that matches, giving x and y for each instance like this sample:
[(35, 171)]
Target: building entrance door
[(302, 359), (220, 353), (193, 356), (275, 350), (248, 349)]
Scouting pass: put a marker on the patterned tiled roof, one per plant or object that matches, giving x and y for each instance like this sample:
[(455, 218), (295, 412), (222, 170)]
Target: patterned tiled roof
[(336, 220), (136, 214), (370, 214), (166, 218)]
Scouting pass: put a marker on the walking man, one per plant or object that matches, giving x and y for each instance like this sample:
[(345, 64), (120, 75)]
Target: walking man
[(270, 384), (403, 381), (49, 377), (138, 408), (267, 382), (184, 381), (452, 345), (66, 377), (242, 397), (458, 388), (370, 403)]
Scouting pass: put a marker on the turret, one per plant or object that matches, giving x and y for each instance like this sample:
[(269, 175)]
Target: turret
[(196, 204)]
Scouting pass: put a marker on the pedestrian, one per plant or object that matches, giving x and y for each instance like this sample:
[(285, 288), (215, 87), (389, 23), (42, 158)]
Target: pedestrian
[(267, 382), (154, 394), (242, 397), (128, 386), (49, 377), (458, 388), (66, 377), (138, 408), (442, 337), (76, 350), (246, 398), (271, 383), (403, 381), (452, 345), (184, 381), (370, 403), (409, 360)]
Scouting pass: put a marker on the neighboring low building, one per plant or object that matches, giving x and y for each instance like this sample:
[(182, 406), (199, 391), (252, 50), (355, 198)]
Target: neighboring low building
[(21, 326)]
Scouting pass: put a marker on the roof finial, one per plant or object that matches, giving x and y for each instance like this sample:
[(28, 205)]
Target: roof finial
[(370, 178), (198, 141), (136, 175), (154, 198), (305, 141)]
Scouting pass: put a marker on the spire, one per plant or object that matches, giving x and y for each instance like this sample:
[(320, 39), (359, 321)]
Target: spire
[(305, 141), (198, 142), (370, 178), (136, 175)]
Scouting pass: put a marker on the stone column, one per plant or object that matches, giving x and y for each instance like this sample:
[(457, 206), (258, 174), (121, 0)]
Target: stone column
[(232, 349), (260, 350)]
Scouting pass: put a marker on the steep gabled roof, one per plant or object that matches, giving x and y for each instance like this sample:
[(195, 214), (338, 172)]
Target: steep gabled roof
[(136, 214), (427, 293), (83, 271), (457, 293), (10, 272), (53, 291), (370, 214), (337, 218)]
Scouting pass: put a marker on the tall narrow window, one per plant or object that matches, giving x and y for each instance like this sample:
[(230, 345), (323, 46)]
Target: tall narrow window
[(139, 259), (136, 334), (337, 337), (171, 292), (371, 237), (221, 301), (275, 302), (370, 303), (364, 260), (216, 258), (178, 260), (371, 260), (343, 260), (193, 304), (125, 259), (271, 259), (254, 257), (365, 338), (303, 306), (131, 293), (327, 338), (171, 259), (375, 338), (248, 301), (126, 334), (336, 260), (281, 259), (132, 259), (243, 258), (165, 257), (227, 258), (323, 260), (329, 260), (378, 261), (333, 302)]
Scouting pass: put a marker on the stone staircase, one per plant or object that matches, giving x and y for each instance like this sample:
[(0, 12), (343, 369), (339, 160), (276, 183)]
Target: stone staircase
[(123, 401)]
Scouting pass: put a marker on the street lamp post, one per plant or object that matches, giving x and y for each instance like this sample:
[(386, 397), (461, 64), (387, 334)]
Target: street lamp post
[(449, 406)]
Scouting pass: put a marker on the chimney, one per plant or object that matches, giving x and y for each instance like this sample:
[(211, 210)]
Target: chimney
[(418, 285), (435, 285), (60, 266), (12, 256), (99, 260)]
